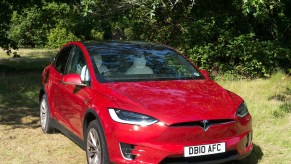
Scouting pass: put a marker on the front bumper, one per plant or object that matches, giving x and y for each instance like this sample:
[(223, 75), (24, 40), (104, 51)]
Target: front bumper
[(160, 143)]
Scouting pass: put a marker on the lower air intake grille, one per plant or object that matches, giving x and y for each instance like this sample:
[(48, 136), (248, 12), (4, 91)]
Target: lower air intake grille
[(126, 150)]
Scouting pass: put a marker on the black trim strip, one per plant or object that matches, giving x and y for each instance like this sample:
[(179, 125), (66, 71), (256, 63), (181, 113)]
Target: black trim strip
[(200, 123), (68, 134)]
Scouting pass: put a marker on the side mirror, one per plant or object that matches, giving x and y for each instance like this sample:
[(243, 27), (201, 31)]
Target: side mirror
[(205, 73), (73, 79)]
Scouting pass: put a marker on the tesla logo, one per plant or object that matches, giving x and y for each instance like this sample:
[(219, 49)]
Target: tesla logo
[(205, 124)]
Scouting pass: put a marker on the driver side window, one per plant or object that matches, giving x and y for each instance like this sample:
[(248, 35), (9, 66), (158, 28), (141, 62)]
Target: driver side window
[(77, 64), (62, 58)]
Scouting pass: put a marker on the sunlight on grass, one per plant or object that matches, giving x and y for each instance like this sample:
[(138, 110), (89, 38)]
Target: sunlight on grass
[(30, 61), (268, 101), (32, 53), (21, 137)]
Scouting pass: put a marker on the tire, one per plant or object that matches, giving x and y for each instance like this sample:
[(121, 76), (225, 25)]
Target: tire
[(45, 120), (96, 148)]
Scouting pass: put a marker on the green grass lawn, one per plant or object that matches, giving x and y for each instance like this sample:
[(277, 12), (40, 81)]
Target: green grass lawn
[(269, 102), (22, 141)]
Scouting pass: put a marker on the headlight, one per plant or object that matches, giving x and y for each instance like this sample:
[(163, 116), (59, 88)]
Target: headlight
[(127, 117), (242, 110)]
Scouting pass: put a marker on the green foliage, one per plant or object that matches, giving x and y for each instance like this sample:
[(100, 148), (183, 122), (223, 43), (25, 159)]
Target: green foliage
[(242, 55), (247, 38), (32, 26), (7, 8), (97, 35), (27, 29), (59, 36)]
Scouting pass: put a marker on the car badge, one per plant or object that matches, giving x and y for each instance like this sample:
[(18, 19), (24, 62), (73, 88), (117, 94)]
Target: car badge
[(205, 124)]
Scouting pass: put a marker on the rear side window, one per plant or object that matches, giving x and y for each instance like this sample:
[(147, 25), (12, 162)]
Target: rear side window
[(62, 58)]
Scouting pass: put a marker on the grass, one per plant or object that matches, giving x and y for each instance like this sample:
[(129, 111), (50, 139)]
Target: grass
[(269, 102), (21, 138), (22, 141)]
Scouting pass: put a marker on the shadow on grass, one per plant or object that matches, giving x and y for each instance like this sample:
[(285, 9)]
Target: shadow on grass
[(20, 80), (253, 158)]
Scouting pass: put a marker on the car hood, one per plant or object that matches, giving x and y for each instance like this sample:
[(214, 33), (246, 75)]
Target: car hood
[(176, 101)]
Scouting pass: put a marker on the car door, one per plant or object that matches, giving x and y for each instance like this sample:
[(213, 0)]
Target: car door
[(56, 86), (75, 98)]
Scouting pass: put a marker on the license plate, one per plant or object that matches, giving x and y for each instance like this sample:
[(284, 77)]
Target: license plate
[(191, 151)]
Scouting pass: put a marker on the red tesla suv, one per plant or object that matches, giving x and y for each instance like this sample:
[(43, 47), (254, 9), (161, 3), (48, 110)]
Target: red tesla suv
[(136, 102)]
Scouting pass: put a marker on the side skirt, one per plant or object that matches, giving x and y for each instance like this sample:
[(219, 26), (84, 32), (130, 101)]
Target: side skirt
[(69, 134)]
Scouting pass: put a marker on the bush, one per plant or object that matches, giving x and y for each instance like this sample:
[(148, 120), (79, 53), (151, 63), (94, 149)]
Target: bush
[(26, 28), (31, 26), (241, 55), (59, 36)]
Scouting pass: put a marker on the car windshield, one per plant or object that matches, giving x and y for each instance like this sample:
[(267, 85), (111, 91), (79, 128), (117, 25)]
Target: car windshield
[(117, 62)]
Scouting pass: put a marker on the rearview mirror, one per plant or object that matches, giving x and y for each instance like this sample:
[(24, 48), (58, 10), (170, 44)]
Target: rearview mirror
[(205, 73), (73, 79)]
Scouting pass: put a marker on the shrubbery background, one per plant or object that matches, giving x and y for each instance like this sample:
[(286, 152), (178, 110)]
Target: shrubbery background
[(246, 38)]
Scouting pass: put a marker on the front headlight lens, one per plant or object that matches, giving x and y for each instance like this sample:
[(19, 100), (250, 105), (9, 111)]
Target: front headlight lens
[(242, 110), (133, 118)]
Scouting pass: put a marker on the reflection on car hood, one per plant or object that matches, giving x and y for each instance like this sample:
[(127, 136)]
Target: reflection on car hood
[(177, 100)]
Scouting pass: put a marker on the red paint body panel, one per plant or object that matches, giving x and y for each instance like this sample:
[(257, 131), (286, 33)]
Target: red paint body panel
[(169, 101), (176, 101)]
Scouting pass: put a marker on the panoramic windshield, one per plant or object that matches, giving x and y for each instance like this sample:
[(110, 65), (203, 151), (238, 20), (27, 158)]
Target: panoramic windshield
[(139, 62)]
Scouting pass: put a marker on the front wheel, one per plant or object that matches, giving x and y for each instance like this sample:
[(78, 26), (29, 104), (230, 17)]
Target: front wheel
[(96, 149), (45, 120)]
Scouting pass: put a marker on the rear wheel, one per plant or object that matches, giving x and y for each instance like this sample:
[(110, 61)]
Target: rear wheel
[(45, 120), (96, 149)]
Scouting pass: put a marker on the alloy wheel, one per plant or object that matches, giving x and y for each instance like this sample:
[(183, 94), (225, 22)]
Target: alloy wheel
[(43, 114), (93, 147)]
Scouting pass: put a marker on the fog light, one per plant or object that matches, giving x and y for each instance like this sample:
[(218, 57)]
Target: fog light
[(126, 151)]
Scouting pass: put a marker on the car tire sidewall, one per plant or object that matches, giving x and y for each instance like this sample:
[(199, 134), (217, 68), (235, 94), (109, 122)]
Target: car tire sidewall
[(104, 153), (48, 127)]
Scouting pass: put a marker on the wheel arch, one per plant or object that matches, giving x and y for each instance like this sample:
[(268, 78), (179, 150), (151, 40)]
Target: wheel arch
[(41, 93), (90, 115)]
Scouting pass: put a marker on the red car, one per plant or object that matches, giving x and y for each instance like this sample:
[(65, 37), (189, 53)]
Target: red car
[(136, 102)]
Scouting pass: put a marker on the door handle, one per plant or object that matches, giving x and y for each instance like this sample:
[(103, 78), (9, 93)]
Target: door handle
[(87, 101)]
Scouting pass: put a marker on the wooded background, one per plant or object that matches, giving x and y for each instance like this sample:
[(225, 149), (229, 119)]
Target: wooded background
[(246, 38)]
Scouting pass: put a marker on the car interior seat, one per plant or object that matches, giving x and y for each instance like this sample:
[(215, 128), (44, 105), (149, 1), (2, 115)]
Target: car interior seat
[(103, 70), (139, 66)]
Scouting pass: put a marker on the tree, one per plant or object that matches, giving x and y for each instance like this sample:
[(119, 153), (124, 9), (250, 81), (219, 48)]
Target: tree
[(6, 14), (247, 37), (5, 17), (7, 8)]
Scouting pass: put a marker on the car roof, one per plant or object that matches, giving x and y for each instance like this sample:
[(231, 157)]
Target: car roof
[(117, 43)]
